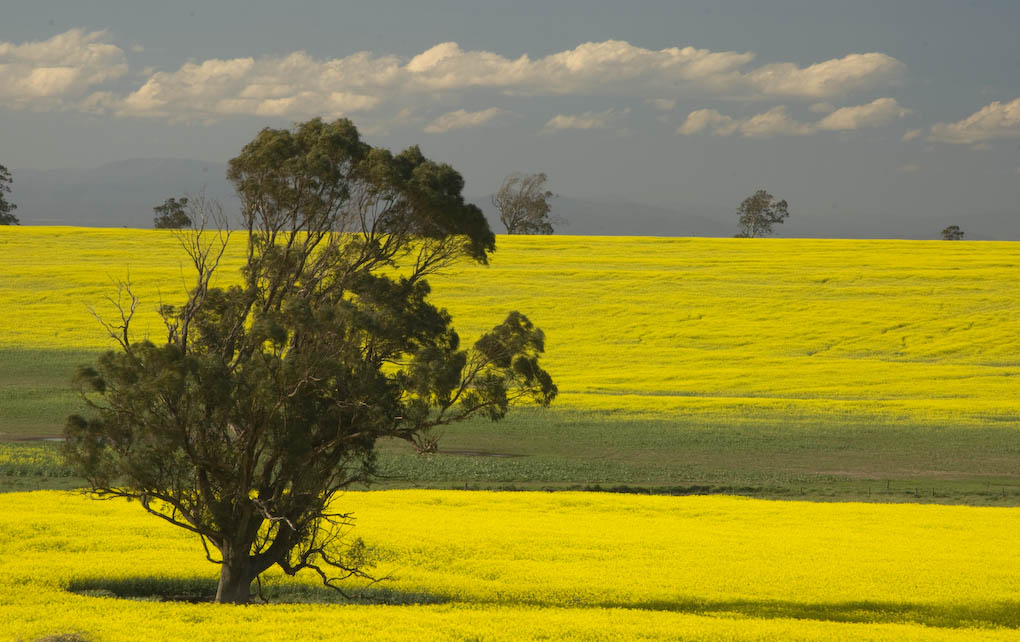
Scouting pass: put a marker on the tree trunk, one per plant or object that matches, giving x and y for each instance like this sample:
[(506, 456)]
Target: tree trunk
[(236, 576)]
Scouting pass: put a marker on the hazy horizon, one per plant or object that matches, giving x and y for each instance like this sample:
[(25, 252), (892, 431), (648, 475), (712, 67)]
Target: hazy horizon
[(863, 117)]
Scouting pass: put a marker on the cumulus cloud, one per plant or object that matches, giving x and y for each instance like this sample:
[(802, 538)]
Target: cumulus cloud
[(774, 122), (710, 119), (911, 135), (461, 119), (829, 78), (53, 73), (292, 86), (992, 122), (298, 85), (875, 114), (777, 121), (613, 66), (585, 120)]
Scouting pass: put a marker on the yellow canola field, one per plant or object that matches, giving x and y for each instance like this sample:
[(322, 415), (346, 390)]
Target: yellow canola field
[(570, 566), (729, 329)]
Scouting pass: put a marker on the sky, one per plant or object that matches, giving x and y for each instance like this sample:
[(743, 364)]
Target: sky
[(904, 110)]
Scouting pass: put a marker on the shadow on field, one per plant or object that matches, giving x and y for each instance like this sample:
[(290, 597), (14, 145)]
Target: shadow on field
[(195, 590), (973, 615)]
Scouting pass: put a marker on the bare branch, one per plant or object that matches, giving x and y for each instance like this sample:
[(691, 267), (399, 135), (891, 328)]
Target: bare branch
[(125, 304)]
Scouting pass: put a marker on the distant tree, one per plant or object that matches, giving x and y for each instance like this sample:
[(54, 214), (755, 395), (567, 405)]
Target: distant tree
[(6, 218), (172, 215), (523, 204), (267, 398), (952, 233), (759, 213)]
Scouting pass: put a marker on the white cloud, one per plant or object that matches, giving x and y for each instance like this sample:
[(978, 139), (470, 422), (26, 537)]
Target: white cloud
[(586, 120), (874, 114), (292, 86), (911, 135), (992, 122), (829, 78), (618, 67), (461, 119), (297, 85), (774, 122), (54, 73), (613, 66), (822, 107), (702, 119), (662, 104), (777, 122)]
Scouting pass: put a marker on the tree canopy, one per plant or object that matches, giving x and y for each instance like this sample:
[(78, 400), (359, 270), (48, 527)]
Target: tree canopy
[(952, 233), (523, 204), (268, 397), (6, 207), (172, 214), (758, 213)]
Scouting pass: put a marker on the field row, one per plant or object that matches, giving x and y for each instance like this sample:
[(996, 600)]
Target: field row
[(558, 449), (585, 566), (727, 330)]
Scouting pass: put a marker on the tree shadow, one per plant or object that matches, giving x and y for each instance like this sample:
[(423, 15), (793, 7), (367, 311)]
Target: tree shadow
[(984, 614), (196, 590), (989, 614)]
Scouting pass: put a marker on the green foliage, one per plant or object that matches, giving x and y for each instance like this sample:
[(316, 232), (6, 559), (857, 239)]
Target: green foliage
[(952, 233), (6, 207), (758, 213), (523, 204), (268, 397), (172, 214)]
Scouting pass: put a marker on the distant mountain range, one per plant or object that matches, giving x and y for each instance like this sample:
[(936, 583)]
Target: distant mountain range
[(114, 195), (618, 217), (122, 194)]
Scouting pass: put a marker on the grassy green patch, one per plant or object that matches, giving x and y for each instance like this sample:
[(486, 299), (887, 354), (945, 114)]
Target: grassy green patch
[(560, 449), (35, 390)]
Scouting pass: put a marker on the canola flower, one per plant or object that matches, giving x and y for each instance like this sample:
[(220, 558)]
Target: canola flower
[(25, 459), (571, 566), (809, 330)]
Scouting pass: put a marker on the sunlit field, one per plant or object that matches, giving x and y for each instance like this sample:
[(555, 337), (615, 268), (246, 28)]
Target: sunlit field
[(495, 566), (822, 369), (826, 369), (733, 329)]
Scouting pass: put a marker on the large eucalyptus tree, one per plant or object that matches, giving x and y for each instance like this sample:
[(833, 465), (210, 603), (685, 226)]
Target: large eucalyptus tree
[(268, 396)]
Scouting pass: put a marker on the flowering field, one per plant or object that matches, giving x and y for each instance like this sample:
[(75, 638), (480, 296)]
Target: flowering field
[(578, 566), (774, 362), (726, 329), (834, 369)]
